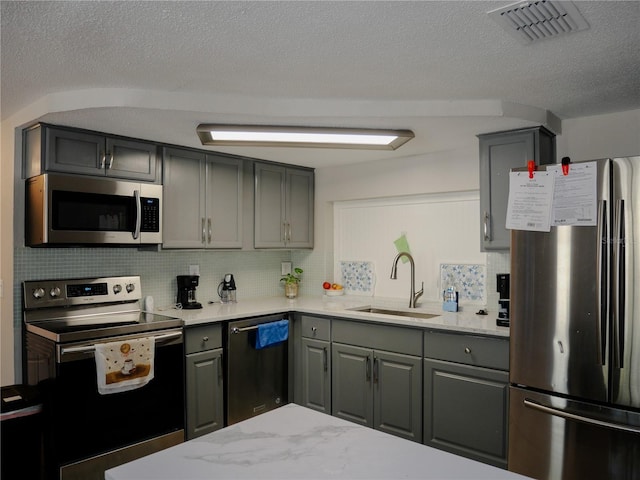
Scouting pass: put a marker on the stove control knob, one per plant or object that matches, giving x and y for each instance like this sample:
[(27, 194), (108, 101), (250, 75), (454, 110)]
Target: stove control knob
[(38, 293), (54, 292), (130, 287), (117, 288)]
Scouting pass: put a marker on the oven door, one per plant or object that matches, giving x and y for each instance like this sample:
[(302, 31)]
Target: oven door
[(67, 210), (88, 433)]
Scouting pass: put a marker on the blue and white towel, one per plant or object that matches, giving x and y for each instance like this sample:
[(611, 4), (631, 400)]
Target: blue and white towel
[(273, 333)]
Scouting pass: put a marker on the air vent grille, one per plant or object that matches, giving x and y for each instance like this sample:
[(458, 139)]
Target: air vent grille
[(530, 21)]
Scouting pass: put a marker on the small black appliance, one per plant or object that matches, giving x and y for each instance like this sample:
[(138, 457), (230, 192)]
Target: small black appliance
[(502, 288), (227, 289), (187, 291)]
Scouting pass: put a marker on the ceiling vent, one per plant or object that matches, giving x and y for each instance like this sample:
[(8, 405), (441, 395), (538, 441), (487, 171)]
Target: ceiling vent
[(530, 21)]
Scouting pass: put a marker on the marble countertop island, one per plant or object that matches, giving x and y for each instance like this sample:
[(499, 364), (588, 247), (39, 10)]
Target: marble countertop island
[(293, 442)]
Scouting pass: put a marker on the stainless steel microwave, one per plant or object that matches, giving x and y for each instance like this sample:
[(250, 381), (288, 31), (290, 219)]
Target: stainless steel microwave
[(68, 209)]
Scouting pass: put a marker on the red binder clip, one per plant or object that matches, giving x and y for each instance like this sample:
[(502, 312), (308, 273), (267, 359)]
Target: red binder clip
[(531, 165), (565, 165)]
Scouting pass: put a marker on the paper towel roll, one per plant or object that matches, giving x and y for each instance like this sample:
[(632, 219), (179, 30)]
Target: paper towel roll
[(148, 303)]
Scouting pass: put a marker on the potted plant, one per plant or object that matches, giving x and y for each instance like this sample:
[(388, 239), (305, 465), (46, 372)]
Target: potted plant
[(291, 281)]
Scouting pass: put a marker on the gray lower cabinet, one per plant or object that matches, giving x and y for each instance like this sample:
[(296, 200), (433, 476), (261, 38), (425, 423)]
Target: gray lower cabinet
[(316, 363), (499, 153), (66, 150), (466, 386), (377, 387), (204, 380), (202, 200), (284, 206)]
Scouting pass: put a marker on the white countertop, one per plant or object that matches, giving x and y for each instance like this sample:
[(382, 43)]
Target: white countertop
[(466, 321), (294, 442)]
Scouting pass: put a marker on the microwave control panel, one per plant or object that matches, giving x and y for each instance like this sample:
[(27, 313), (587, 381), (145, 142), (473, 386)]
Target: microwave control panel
[(150, 215)]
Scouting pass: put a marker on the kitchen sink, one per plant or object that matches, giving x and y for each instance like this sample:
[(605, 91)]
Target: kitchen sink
[(397, 313)]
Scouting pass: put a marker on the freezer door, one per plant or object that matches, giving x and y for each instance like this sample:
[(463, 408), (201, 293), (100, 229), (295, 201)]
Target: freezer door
[(551, 438), (625, 381), (560, 305)]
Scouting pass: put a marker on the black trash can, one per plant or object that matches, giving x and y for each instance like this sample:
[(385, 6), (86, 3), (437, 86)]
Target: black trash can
[(22, 433)]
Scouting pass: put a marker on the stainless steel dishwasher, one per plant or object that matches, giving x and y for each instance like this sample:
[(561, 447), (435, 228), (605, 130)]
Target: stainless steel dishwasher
[(257, 379)]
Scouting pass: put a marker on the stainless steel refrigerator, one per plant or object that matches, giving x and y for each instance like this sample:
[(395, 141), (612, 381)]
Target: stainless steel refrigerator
[(574, 399)]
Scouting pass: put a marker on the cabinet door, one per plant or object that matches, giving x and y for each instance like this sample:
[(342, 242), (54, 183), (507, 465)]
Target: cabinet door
[(223, 202), (351, 385), (184, 218), (131, 159), (499, 153), (465, 410), (316, 379), (204, 392), (269, 206), (74, 152), (397, 395), (299, 197)]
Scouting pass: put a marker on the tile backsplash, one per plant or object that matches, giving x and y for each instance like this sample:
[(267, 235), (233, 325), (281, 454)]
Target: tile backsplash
[(257, 273)]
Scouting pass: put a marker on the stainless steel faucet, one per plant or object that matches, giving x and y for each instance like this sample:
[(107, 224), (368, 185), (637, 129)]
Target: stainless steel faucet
[(394, 275)]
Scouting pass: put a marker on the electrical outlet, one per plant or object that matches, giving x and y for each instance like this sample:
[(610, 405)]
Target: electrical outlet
[(194, 270), (285, 268)]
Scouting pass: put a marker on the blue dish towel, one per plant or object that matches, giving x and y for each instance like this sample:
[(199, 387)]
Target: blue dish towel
[(272, 333)]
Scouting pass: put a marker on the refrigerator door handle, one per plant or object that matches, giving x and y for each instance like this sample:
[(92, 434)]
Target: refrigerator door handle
[(578, 418), (619, 312), (603, 290)]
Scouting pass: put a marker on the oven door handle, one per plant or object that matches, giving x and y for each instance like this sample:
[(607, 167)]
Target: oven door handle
[(92, 348)]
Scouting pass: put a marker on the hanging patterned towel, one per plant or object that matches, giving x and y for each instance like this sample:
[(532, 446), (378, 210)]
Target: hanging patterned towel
[(124, 365), (273, 333)]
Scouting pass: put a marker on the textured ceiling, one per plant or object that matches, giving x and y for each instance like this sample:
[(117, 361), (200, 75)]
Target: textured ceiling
[(446, 70)]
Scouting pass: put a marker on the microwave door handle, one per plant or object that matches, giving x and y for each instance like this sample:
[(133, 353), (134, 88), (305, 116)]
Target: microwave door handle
[(136, 232)]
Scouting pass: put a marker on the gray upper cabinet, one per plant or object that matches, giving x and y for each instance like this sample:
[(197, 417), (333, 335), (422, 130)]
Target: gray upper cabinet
[(54, 149), (466, 386), (202, 196), (377, 377), (204, 380), (283, 206), (499, 153)]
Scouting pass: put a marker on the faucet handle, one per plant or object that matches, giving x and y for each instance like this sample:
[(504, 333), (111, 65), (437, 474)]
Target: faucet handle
[(417, 295)]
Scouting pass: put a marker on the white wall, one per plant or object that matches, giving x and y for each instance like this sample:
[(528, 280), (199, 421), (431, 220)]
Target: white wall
[(611, 135)]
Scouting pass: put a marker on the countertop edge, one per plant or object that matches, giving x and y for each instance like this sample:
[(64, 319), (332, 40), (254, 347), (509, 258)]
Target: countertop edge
[(465, 321)]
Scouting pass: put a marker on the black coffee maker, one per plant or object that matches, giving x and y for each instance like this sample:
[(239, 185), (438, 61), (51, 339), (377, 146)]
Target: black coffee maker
[(187, 291), (502, 288)]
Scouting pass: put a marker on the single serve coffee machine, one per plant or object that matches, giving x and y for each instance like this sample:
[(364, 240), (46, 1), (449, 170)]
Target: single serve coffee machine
[(187, 291), (227, 289), (503, 289)]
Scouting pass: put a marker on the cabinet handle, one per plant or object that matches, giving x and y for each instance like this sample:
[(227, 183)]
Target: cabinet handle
[(209, 229), (314, 330), (376, 363), (486, 227), (220, 369), (203, 232), (288, 232), (324, 358), (467, 350), (284, 232), (205, 339), (110, 161), (103, 161), (367, 372)]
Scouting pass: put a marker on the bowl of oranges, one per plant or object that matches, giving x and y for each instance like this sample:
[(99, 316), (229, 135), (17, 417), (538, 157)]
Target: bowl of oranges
[(332, 289)]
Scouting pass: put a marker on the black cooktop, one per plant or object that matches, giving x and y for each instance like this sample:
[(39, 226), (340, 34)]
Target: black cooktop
[(64, 330)]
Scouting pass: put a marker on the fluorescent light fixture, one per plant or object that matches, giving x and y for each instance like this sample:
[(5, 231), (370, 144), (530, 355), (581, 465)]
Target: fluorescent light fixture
[(279, 136)]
